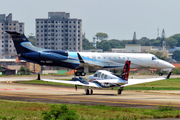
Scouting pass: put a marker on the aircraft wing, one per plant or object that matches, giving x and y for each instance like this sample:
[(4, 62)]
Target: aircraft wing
[(89, 84), (138, 81)]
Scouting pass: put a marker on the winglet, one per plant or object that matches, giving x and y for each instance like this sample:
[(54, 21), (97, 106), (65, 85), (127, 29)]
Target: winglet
[(80, 58), (168, 76)]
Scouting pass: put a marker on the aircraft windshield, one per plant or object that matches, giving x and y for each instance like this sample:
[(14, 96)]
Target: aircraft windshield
[(154, 58)]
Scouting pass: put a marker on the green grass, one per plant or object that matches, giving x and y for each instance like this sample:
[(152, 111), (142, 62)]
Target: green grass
[(33, 111), (168, 84)]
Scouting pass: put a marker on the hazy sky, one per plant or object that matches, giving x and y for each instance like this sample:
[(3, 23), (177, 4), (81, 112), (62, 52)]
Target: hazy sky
[(118, 18)]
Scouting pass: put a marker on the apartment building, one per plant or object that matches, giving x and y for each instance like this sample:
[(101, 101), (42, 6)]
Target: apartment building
[(59, 32), (7, 49)]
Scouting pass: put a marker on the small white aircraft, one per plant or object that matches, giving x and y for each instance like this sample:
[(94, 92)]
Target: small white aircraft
[(106, 79)]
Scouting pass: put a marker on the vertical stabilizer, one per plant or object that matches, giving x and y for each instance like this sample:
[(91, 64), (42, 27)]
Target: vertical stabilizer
[(125, 73), (18, 39)]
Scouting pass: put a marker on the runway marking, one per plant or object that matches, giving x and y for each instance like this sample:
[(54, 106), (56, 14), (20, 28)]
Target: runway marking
[(130, 103), (11, 89), (56, 89)]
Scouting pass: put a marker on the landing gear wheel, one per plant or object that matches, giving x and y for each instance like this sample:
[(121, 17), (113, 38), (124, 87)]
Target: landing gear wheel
[(87, 91), (77, 73), (119, 91), (91, 91), (160, 74), (83, 74)]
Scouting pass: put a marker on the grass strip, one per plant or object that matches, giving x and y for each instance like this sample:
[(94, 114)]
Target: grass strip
[(33, 111)]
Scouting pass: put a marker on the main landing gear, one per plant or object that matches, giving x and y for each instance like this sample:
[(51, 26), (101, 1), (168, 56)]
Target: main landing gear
[(87, 90), (160, 74), (80, 73), (119, 91)]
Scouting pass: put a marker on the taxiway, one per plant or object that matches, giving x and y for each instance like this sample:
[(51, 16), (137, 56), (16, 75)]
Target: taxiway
[(56, 94)]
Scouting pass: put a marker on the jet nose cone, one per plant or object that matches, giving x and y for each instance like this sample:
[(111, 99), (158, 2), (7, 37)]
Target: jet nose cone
[(167, 64), (172, 66)]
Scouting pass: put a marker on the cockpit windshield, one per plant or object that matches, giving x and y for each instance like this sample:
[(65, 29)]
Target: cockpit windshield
[(155, 58)]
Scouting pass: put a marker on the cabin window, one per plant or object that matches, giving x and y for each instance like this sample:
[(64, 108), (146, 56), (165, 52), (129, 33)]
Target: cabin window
[(98, 57), (114, 57), (99, 74), (95, 75), (105, 77), (104, 57), (119, 58), (153, 58), (109, 57), (102, 76)]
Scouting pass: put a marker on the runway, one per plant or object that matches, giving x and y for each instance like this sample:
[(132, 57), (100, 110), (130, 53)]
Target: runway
[(56, 94)]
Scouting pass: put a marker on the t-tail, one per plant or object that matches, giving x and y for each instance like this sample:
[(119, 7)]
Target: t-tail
[(125, 72), (19, 42)]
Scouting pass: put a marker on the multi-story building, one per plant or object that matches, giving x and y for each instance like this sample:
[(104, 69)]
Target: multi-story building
[(7, 48), (59, 32)]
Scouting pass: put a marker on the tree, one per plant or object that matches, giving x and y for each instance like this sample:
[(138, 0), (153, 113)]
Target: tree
[(176, 55), (177, 37), (104, 44), (22, 70), (27, 71), (115, 43), (87, 45), (171, 43), (101, 36)]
